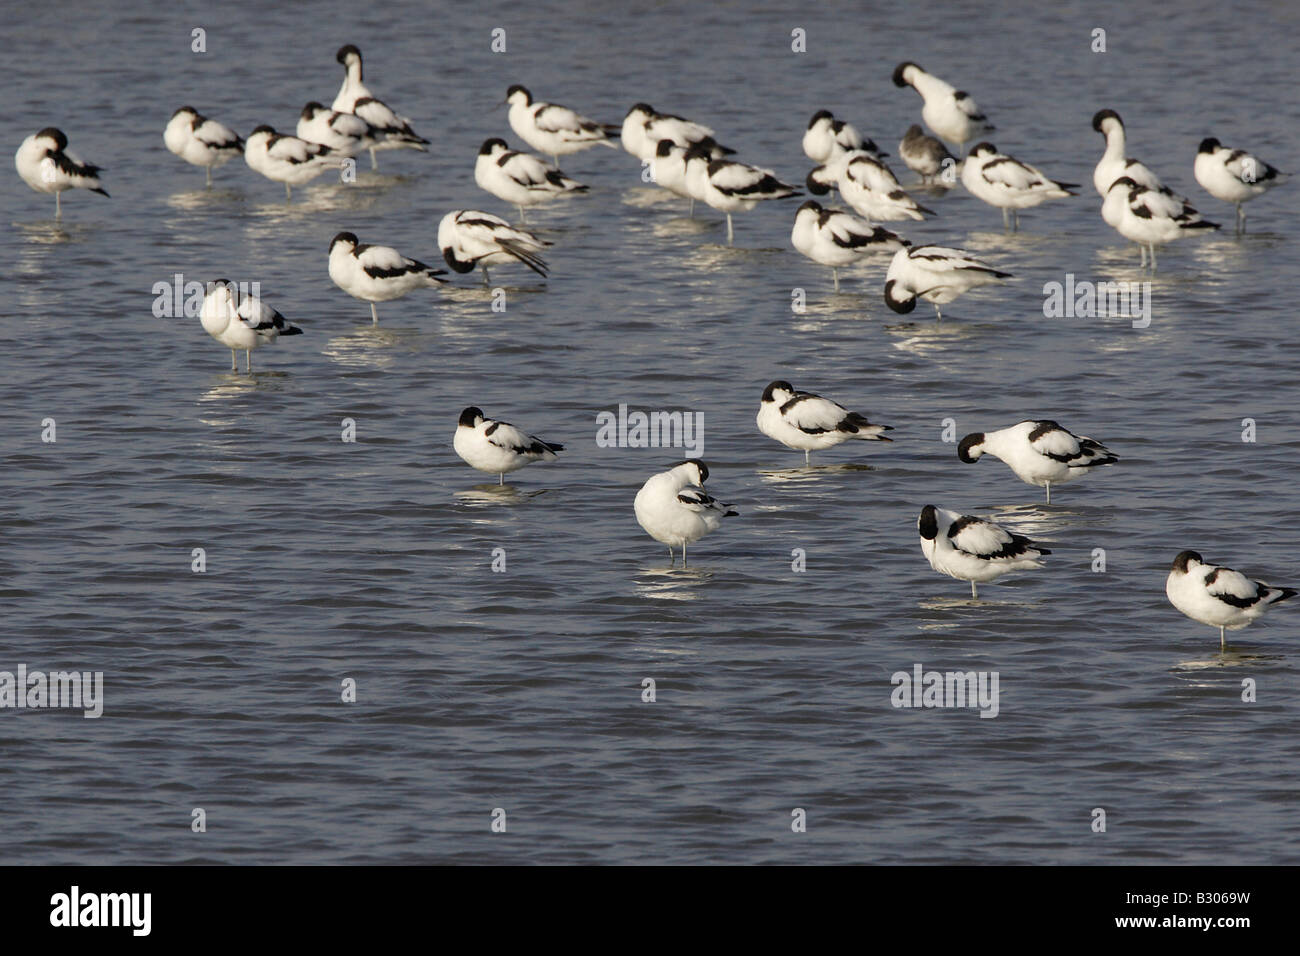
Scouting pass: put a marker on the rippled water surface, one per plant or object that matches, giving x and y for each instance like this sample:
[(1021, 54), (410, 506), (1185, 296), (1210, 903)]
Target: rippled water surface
[(522, 690)]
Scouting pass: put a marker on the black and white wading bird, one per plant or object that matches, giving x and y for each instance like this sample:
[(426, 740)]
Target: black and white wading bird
[(1150, 217), (729, 186), (519, 178), (972, 549), (345, 133), (1233, 175), (926, 156), (827, 137), (1007, 183), (355, 97), (288, 159), (948, 111), (668, 169), (470, 237), (201, 141), (241, 322), (554, 130), (643, 129), (45, 163), (1114, 164), (377, 273), (868, 185), (837, 239), (674, 508), (1217, 596), (937, 274), (1041, 453), (498, 447), (807, 422)]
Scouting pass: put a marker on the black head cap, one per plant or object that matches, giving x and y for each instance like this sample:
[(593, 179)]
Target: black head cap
[(490, 144), (342, 55), (1105, 115), (517, 88), (898, 72), (820, 115), (311, 109), (778, 384), (982, 148), (1208, 145), (1180, 562), (640, 108), (347, 237), (814, 186), (263, 129), (812, 204), (902, 308), (967, 443), (56, 134), (704, 469), (469, 415), (928, 523)]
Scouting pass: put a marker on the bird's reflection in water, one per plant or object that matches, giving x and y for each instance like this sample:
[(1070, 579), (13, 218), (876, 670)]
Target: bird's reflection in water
[(812, 472), (1229, 657), (51, 233), (231, 385), (374, 346), (206, 198), (488, 495), (671, 582)]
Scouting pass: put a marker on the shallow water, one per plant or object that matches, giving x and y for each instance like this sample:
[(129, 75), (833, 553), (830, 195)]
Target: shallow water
[(522, 690)]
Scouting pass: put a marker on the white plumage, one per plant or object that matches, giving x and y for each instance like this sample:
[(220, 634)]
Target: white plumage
[(869, 186), (838, 239), (1041, 453), (1218, 596), (937, 274), (288, 159), (972, 549), (1233, 175), (1114, 164), (355, 97), (554, 130), (948, 111), (241, 321), (201, 141), (643, 129), (498, 447), (674, 508), (376, 273), (470, 237), (45, 163), (1150, 217), (345, 133), (807, 422), (519, 178), (827, 137), (729, 186), (1007, 183)]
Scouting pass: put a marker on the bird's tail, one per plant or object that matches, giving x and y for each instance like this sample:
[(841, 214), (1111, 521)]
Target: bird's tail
[(524, 255)]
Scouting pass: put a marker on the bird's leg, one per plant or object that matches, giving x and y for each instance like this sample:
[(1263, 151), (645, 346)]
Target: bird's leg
[(1222, 640), (1049, 492), (1153, 258), (683, 554), (937, 314), (58, 205), (234, 362), (1015, 216), (248, 362), (501, 479), (288, 193), (692, 212), (1144, 257), (836, 274), (1241, 220), (486, 280), (1006, 222), (806, 459), (974, 595), (730, 234), (209, 171), (374, 163), (557, 160), (522, 217), (374, 315)]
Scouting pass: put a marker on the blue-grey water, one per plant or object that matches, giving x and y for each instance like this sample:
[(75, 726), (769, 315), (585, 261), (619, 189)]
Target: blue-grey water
[(522, 690)]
